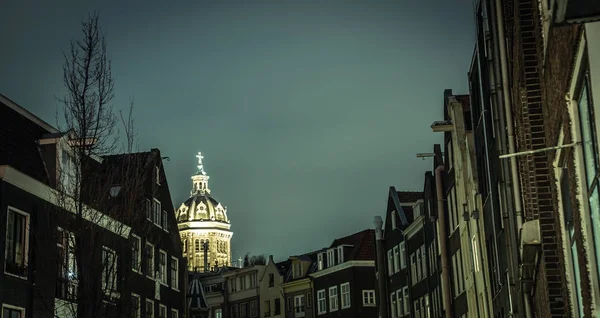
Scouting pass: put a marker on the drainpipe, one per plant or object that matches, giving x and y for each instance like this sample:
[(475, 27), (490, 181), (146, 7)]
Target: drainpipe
[(511, 139), (473, 260), (444, 238), (381, 272)]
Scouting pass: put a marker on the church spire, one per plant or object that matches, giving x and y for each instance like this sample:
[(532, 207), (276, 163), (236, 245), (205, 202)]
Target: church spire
[(200, 179)]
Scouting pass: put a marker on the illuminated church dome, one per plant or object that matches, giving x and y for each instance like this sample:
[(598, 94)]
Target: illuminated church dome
[(204, 226)]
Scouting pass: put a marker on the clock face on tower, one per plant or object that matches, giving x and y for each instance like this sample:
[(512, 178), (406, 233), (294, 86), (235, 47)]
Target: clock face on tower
[(204, 225)]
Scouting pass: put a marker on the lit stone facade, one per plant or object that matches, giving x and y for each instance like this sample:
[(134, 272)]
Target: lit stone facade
[(204, 226)]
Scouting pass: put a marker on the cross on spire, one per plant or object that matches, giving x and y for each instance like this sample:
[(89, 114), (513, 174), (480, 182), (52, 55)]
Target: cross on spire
[(200, 164)]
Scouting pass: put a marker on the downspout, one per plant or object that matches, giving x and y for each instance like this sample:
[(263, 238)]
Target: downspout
[(447, 301), (428, 262), (511, 140), (381, 272)]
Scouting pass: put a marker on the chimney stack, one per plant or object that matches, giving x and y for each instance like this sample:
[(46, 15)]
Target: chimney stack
[(270, 259)]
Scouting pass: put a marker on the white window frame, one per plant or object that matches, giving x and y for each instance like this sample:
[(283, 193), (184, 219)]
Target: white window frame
[(406, 301), (26, 243), (174, 313), (161, 307), (393, 217), (333, 299), (138, 300), (368, 295), (345, 304), (157, 212), (340, 252), (423, 262), (11, 307), (330, 258), (150, 261), (396, 259), (320, 261), (174, 281), (299, 305), (402, 247), (165, 221), (413, 269), (137, 260), (393, 305), (146, 308), (162, 268), (390, 261), (157, 174), (321, 297)]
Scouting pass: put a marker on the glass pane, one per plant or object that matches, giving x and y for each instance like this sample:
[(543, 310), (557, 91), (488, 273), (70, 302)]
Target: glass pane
[(577, 277), (595, 216), (588, 135)]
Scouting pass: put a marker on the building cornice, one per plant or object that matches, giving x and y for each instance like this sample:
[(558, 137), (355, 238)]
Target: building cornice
[(205, 224), (34, 187), (343, 266)]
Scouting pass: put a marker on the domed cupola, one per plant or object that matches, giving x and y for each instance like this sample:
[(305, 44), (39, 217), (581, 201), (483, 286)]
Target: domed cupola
[(204, 226)]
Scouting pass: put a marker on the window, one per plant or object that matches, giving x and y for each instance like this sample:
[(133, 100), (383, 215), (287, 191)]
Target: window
[(277, 306), (413, 269), (17, 243), (297, 268), (289, 304), (333, 298), (243, 310), (393, 217), (406, 302), (66, 287), (136, 253), (418, 257), (321, 302), (299, 306), (174, 273), (345, 295), (396, 259), (271, 280), (309, 300), (149, 308), (234, 311), (135, 306), (340, 254), (393, 305), (402, 255), (416, 305), (149, 260), (109, 270), (267, 308), (589, 137), (320, 260), (162, 311), (330, 258), (162, 266), (218, 313), (165, 221), (390, 262), (157, 212), (197, 246), (12, 311), (423, 262), (368, 297), (427, 311), (399, 302), (157, 174), (149, 209), (175, 313), (253, 309)]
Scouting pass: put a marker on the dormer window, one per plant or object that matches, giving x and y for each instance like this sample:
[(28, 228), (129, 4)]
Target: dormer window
[(67, 177), (330, 258), (393, 217), (320, 261), (417, 210), (114, 191), (340, 255), (297, 269)]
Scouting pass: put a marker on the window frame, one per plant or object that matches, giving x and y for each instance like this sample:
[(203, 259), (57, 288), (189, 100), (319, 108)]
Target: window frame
[(331, 297), (13, 308), (174, 313), (174, 269), (138, 301), (146, 302), (160, 307), (368, 294), (150, 261), (342, 302), (137, 270), (157, 212), (321, 308), (162, 267), (113, 271), (396, 258), (26, 249), (402, 248)]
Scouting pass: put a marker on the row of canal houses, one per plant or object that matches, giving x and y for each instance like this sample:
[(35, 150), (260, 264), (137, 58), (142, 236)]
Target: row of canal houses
[(337, 281), (508, 222)]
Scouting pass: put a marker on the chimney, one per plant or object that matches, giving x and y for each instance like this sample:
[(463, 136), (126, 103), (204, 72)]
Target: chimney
[(270, 259), (241, 262)]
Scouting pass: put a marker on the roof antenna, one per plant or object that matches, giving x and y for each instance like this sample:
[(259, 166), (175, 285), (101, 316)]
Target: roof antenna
[(166, 158)]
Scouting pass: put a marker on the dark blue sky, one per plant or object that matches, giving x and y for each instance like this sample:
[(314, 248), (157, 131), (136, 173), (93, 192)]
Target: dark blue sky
[(306, 111)]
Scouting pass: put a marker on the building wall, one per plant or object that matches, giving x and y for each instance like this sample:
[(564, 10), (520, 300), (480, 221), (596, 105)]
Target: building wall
[(294, 290), (271, 293)]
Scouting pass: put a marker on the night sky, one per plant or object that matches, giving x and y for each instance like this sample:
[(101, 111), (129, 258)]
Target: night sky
[(306, 111)]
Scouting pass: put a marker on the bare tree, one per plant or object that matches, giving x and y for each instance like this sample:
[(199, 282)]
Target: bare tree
[(102, 192)]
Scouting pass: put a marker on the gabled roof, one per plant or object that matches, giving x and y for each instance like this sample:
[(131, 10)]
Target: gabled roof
[(195, 296), (363, 245), (409, 196), (308, 257), (283, 267)]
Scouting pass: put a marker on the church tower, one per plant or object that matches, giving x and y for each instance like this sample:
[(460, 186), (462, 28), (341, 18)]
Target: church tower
[(204, 226)]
